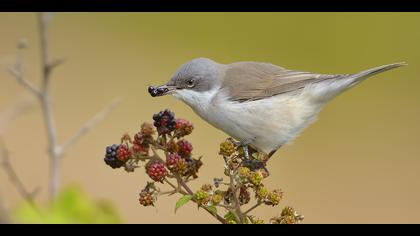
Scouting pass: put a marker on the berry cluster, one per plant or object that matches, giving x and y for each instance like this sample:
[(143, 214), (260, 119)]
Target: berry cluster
[(166, 138), (164, 121)]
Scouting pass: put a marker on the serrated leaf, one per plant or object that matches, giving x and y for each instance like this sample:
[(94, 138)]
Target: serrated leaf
[(212, 209), (184, 199)]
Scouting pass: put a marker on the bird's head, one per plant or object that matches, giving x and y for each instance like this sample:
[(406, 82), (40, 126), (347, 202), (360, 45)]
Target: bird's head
[(194, 77)]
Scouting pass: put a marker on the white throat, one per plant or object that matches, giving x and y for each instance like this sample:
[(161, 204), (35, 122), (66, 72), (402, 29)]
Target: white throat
[(199, 101)]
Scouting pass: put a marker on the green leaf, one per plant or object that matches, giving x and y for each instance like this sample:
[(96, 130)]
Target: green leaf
[(184, 199)]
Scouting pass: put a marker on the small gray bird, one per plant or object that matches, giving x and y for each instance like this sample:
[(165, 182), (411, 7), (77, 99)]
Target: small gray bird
[(259, 104)]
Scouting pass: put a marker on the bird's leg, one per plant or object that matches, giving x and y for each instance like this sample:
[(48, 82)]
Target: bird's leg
[(244, 144), (246, 153)]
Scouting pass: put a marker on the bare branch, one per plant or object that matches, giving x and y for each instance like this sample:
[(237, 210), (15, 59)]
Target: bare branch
[(24, 82), (14, 178), (56, 63), (86, 127)]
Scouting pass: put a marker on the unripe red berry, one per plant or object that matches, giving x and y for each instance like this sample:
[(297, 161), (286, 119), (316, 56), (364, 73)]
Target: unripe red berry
[(184, 148), (146, 198), (123, 153), (183, 127), (156, 171)]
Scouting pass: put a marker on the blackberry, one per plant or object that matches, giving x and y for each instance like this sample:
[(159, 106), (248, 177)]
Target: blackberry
[(146, 198), (171, 159), (176, 164), (183, 127), (184, 148), (111, 157), (156, 171), (152, 91), (123, 153), (164, 121)]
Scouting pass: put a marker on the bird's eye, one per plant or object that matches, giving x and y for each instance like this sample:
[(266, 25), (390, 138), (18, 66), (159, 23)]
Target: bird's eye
[(190, 83)]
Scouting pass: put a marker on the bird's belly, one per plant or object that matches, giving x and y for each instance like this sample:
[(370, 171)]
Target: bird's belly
[(268, 123)]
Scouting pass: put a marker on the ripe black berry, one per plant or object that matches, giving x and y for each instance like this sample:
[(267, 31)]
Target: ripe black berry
[(152, 91), (164, 121), (111, 157)]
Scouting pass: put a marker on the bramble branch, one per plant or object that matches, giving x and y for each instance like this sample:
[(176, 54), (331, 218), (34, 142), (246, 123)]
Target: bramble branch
[(178, 164)]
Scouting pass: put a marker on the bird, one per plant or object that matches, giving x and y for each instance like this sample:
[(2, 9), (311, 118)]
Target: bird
[(259, 104)]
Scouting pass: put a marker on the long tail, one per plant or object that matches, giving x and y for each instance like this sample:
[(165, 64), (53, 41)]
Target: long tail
[(370, 72), (325, 91)]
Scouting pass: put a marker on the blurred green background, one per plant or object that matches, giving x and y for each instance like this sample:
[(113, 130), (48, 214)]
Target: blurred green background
[(360, 163)]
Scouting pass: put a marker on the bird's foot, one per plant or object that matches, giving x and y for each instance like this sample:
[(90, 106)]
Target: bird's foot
[(255, 164)]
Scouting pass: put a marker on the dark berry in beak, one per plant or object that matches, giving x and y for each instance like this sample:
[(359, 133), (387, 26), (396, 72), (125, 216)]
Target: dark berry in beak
[(162, 90), (153, 91)]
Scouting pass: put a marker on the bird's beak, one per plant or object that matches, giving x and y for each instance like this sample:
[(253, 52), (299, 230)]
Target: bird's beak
[(161, 90)]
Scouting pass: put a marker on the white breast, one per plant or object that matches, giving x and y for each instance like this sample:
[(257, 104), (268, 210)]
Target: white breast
[(270, 122)]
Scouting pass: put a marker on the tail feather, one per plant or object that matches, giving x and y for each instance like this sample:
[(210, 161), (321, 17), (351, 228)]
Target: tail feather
[(373, 71), (327, 90)]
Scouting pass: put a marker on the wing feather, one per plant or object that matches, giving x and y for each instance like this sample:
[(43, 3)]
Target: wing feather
[(249, 81)]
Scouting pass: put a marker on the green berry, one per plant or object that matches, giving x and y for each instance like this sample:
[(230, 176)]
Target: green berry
[(256, 178), (243, 172), (216, 199), (202, 197), (227, 148), (274, 197), (261, 192)]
